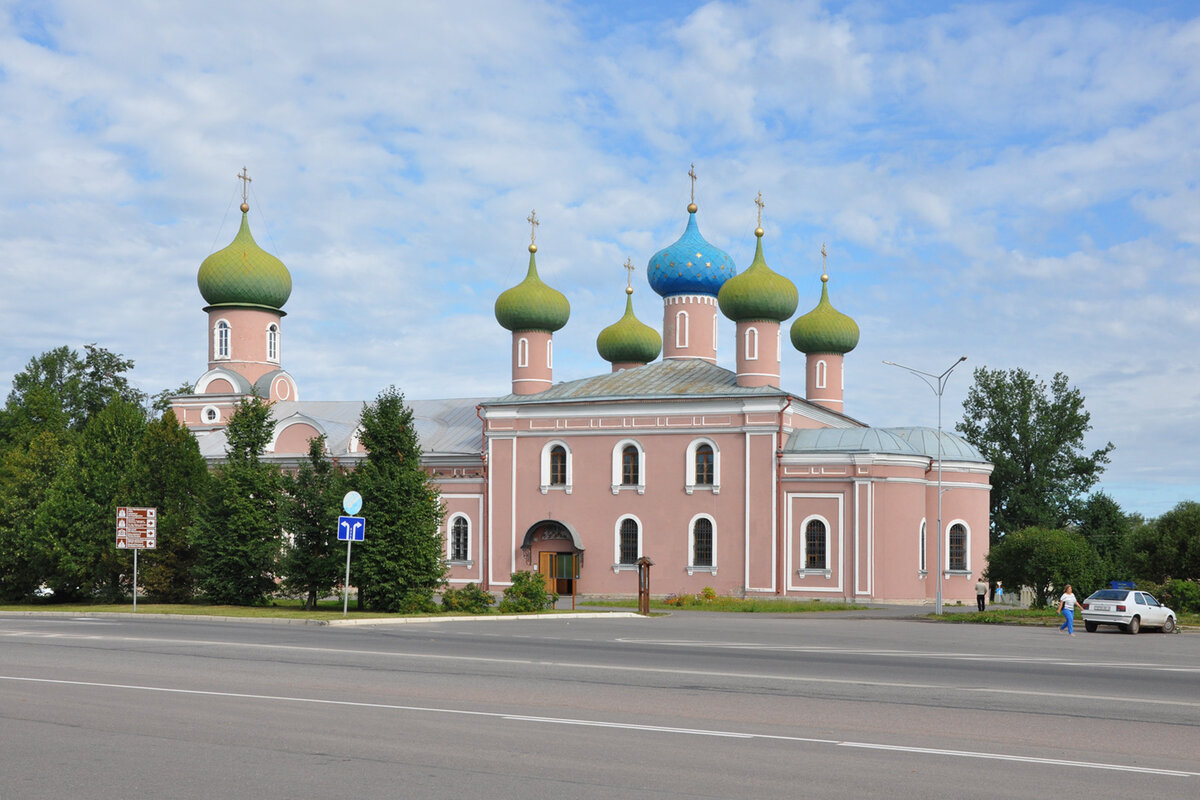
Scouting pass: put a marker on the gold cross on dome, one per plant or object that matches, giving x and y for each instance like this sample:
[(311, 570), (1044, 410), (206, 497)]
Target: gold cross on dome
[(823, 254), (533, 223), (630, 267), (245, 179), (758, 201), (692, 175)]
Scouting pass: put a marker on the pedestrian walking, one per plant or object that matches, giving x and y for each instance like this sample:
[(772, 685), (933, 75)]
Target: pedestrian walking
[(981, 590), (1066, 607)]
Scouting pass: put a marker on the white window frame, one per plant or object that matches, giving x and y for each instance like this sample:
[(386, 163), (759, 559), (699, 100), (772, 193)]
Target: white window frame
[(469, 562), (641, 530), (822, 373), (681, 329), (550, 353), (618, 449), (923, 551), (206, 412), (273, 343), (692, 568), (522, 352), (750, 344), (546, 486), (689, 467), (714, 329), (966, 570), (804, 570), (222, 345)]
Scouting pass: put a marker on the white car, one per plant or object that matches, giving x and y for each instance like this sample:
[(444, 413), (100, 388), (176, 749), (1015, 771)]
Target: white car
[(1128, 609), (43, 591)]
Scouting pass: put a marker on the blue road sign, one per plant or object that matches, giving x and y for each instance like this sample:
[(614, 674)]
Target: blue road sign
[(352, 503), (352, 529)]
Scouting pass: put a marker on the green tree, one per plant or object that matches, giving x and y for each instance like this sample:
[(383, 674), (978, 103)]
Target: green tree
[(1044, 560), (168, 473), (312, 564), (401, 563), (238, 543), (1034, 439), (60, 388), (1169, 546), (27, 471), (78, 515), (1106, 528)]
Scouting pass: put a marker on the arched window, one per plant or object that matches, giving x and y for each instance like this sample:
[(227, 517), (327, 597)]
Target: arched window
[(958, 548), (460, 538), (550, 353), (628, 546), (221, 339), (751, 344), (628, 466), (922, 554), (681, 329), (558, 465), (821, 374), (273, 342), (702, 542), (814, 545), (703, 466), (522, 352)]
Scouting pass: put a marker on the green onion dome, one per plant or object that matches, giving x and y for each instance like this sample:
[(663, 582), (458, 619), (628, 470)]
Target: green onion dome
[(825, 329), (629, 340), (532, 305), (243, 274), (759, 293)]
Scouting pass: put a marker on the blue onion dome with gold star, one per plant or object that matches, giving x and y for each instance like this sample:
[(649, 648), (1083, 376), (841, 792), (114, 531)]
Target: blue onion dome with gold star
[(691, 265), (760, 293), (629, 340), (825, 329), (243, 274), (531, 305)]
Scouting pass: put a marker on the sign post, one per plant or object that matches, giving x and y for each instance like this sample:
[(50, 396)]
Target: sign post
[(350, 529), (137, 529)]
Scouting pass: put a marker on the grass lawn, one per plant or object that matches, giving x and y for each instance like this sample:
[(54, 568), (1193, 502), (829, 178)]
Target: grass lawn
[(733, 604), (1035, 616)]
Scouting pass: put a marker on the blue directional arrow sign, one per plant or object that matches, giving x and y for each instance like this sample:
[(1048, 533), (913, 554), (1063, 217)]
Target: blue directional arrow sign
[(352, 529)]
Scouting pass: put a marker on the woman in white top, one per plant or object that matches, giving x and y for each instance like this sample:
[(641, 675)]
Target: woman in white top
[(1066, 607)]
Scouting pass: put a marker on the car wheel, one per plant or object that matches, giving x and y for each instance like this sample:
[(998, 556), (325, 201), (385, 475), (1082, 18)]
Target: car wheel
[(1169, 625), (1090, 626), (1135, 625)]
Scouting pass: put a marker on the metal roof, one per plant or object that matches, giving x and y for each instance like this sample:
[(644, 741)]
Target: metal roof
[(673, 378), (911, 441)]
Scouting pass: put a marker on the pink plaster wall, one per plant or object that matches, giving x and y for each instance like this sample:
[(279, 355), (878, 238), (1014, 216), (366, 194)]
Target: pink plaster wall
[(763, 370), (830, 395), (538, 374), (702, 315), (247, 341), (295, 438)]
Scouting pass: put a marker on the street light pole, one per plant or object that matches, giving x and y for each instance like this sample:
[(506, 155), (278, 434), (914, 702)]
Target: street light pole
[(938, 384)]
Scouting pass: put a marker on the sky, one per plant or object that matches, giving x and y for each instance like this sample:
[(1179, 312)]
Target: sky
[(1014, 182)]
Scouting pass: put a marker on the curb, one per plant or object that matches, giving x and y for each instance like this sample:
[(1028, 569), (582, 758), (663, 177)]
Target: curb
[(323, 622)]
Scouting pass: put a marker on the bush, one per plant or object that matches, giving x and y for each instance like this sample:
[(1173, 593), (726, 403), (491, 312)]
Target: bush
[(1183, 596), (527, 593), (470, 599)]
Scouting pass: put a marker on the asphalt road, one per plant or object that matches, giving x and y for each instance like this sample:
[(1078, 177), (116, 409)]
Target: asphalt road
[(687, 706)]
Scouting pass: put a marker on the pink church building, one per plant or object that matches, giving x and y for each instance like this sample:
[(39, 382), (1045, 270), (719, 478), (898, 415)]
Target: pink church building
[(722, 478)]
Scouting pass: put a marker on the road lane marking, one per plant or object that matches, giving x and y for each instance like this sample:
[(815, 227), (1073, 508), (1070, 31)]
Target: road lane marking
[(913, 750), (674, 671)]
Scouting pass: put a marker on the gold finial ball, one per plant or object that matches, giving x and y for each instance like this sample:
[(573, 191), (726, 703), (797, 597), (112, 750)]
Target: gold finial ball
[(628, 290), (245, 207), (759, 232), (533, 248), (824, 278), (692, 208)]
